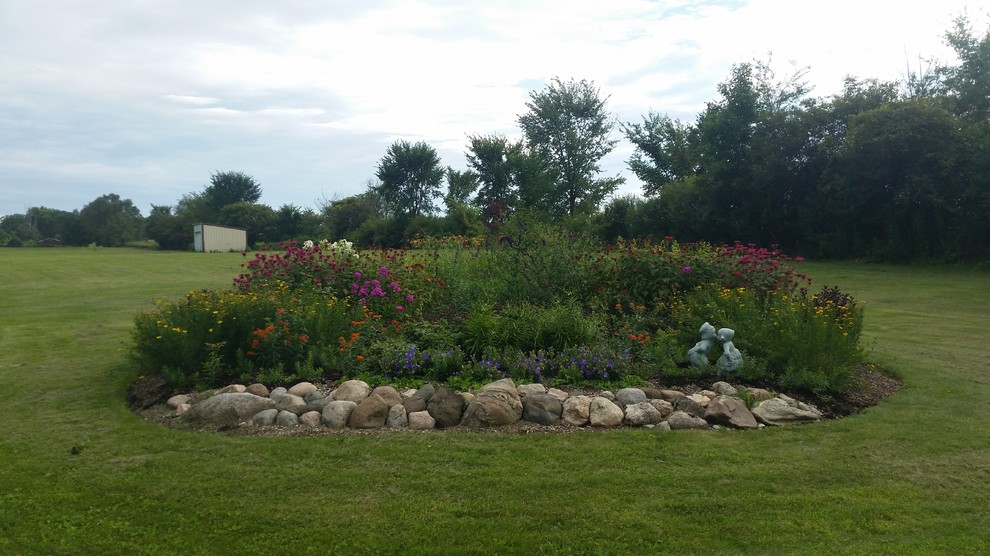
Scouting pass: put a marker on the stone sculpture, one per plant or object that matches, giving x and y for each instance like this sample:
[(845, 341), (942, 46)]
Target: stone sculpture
[(698, 355), (731, 358)]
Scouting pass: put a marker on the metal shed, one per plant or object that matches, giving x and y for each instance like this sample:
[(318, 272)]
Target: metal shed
[(209, 238)]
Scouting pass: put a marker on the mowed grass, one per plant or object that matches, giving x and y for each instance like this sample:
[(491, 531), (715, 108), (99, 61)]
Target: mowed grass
[(909, 476)]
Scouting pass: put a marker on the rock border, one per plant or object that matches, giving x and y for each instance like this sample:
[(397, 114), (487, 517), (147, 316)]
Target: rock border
[(354, 406)]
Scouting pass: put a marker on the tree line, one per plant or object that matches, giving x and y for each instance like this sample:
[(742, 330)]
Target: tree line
[(894, 171)]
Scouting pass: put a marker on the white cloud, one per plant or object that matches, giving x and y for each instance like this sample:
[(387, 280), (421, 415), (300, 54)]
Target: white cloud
[(150, 98)]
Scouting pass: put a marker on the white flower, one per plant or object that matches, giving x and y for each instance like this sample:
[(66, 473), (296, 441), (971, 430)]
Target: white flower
[(308, 244)]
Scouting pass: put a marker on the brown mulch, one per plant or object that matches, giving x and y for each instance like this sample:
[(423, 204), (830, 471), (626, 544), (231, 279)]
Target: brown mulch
[(871, 385)]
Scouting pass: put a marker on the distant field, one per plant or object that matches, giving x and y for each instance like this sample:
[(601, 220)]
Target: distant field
[(909, 476)]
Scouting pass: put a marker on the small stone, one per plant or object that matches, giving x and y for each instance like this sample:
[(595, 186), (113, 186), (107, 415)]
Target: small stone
[(426, 392), (558, 393), (670, 395), (176, 401), (182, 408), (708, 394), (662, 427), (311, 419), (527, 389), (286, 419), (421, 421), (604, 413), (397, 417), (724, 388), (279, 391), (663, 406), (233, 389), (264, 418), (700, 399), (290, 402), (407, 393), (607, 394), (302, 389), (653, 393), (258, 389), (314, 396), (468, 397), (759, 394)]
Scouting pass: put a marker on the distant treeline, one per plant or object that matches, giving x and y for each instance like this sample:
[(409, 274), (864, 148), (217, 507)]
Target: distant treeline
[(891, 171)]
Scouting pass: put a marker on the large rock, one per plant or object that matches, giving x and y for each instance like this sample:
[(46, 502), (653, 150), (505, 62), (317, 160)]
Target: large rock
[(781, 411), (313, 396), (370, 413), (725, 389), (577, 410), (558, 393), (604, 413), (258, 389), (689, 405), (177, 400), (730, 411), (496, 404), (286, 419), (302, 389), (630, 396), (652, 393), (544, 409), (397, 417), (229, 409), (640, 414), (681, 420), (413, 404), (232, 389), (446, 407), (352, 391), (337, 413), (421, 421), (311, 419), (389, 394), (290, 402)]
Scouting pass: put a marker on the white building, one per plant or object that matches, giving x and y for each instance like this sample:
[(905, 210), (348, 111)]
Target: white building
[(208, 238)]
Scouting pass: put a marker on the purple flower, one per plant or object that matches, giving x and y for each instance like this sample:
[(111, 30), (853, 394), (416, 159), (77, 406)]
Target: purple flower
[(382, 272), (410, 298), (686, 269), (357, 275)]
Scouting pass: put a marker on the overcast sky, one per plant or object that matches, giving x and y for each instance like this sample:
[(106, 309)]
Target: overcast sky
[(146, 98)]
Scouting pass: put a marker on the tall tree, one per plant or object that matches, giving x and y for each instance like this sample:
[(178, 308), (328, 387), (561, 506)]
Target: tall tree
[(410, 178), (461, 184), (567, 123), (110, 221), (231, 187), (664, 151)]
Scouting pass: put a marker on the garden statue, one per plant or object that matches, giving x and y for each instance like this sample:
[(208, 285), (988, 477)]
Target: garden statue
[(699, 353), (731, 359)]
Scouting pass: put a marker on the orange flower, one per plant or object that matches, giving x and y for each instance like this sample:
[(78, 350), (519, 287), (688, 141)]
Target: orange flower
[(360, 358)]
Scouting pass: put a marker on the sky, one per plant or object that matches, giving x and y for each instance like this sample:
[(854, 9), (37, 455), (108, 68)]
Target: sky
[(148, 98)]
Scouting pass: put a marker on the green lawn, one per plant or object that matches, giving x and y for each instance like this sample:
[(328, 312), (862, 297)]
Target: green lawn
[(909, 476)]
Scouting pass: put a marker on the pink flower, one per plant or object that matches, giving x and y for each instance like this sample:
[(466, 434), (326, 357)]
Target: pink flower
[(400, 308), (410, 298)]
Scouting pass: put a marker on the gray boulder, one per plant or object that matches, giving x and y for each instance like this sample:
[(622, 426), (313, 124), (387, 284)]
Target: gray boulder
[(258, 389), (290, 402), (544, 409), (527, 389), (313, 396), (286, 419), (414, 403), (264, 418), (663, 406), (640, 414), (445, 407), (229, 409), (311, 419), (630, 396), (724, 388), (302, 388), (426, 392), (397, 417), (370, 413), (689, 405), (682, 420), (337, 413), (496, 404), (730, 411)]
